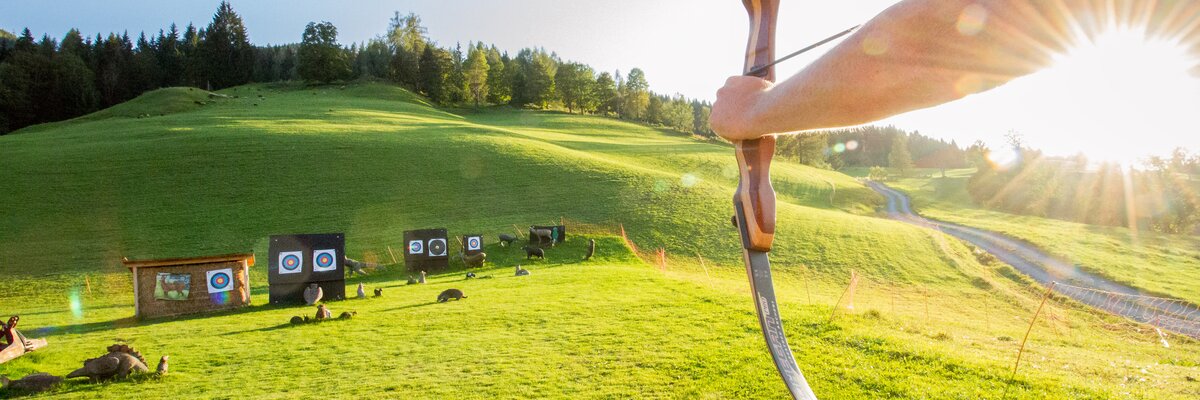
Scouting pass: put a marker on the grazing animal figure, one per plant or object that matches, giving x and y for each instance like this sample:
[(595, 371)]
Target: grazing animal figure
[(411, 280), (506, 239), (313, 294), (347, 314), (422, 280), (34, 383), (120, 361), (296, 320), (362, 292), (378, 292), (450, 294), (534, 251), (355, 266), (475, 260), (323, 312), (542, 235), (162, 366), (470, 275), (521, 271), (591, 249)]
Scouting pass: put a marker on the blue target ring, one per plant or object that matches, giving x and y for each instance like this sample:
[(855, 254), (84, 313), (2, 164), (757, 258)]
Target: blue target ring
[(291, 262), (219, 281), (325, 260), (415, 247)]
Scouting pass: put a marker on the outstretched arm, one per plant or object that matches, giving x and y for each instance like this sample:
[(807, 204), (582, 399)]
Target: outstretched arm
[(916, 54)]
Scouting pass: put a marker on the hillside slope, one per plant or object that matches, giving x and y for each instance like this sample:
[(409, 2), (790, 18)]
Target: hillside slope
[(373, 160)]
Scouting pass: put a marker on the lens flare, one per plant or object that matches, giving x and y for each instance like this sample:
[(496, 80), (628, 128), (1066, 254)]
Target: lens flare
[(1004, 157), (852, 145), (219, 299), (688, 180), (972, 20), (76, 303), (839, 148)]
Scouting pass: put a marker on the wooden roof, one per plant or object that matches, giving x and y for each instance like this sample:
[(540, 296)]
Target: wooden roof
[(165, 262)]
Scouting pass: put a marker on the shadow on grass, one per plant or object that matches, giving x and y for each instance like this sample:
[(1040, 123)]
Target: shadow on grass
[(131, 322), (285, 325), (411, 306)]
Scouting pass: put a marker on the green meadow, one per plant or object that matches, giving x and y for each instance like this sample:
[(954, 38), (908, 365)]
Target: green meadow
[(1163, 264), (179, 172)]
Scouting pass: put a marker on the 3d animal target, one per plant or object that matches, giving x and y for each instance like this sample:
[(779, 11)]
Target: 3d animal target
[(324, 260), (290, 262), (220, 280)]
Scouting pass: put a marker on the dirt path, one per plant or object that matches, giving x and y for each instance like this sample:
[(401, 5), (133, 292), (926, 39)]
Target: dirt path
[(1094, 290)]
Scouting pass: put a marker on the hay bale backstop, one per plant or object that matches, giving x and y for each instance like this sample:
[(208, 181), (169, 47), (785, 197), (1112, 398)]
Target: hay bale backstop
[(177, 286)]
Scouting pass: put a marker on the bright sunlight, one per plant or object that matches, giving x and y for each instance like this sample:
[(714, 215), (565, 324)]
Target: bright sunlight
[(1125, 95)]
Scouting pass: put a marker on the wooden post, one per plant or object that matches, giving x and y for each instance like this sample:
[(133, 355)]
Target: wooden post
[(807, 291), (925, 290), (1021, 351), (706, 275), (88, 283), (389, 247), (835, 305)]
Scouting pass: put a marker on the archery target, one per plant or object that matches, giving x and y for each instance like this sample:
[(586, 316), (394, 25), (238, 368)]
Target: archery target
[(290, 262), (416, 247), (437, 247), (474, 243), (324, 260), (220, 280)]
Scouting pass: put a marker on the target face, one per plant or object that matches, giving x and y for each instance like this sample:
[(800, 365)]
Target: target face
[(416, 247), (437, 247), (474, 243), (220, 280), (324, 260), (290, 262)]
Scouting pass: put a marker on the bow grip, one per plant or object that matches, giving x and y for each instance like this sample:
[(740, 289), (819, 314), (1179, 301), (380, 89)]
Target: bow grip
[(754, 200)]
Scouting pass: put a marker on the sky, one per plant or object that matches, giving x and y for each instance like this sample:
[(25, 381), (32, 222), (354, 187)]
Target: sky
[(689, 47)]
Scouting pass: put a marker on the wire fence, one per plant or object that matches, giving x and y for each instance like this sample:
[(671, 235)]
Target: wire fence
[(1173, 315)]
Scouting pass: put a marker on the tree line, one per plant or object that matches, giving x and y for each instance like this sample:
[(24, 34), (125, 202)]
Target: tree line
[(871, 146), (48, 80), (1161, 196)]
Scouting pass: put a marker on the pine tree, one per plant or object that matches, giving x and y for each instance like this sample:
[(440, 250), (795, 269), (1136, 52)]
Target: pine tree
[(456, 80), (228, 57), (433, 76)]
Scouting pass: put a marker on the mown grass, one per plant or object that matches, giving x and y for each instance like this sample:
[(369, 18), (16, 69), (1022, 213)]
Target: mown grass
[(372, 161), (1158, 263)]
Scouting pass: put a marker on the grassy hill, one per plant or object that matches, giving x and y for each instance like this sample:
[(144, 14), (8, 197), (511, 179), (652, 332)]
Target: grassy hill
[(372, 161)]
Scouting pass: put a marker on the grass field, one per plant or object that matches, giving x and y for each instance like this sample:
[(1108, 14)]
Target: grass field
[(930, 321), (1157, 263)]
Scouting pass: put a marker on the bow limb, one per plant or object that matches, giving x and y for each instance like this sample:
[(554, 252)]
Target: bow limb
[(754, 204)]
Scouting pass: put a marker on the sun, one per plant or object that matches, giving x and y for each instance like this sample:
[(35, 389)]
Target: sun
[(1121, 96)]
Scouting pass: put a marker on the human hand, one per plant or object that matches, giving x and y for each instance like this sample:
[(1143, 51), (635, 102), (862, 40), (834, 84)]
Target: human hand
[(737, 111)]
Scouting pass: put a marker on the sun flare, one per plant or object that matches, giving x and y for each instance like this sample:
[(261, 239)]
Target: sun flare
[(1122, 96)]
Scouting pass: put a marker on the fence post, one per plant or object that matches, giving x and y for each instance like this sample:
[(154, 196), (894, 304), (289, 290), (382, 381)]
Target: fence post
[(1021, 351)]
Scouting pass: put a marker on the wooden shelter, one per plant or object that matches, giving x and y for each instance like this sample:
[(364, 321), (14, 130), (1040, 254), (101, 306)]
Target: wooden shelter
[(178, 286)]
